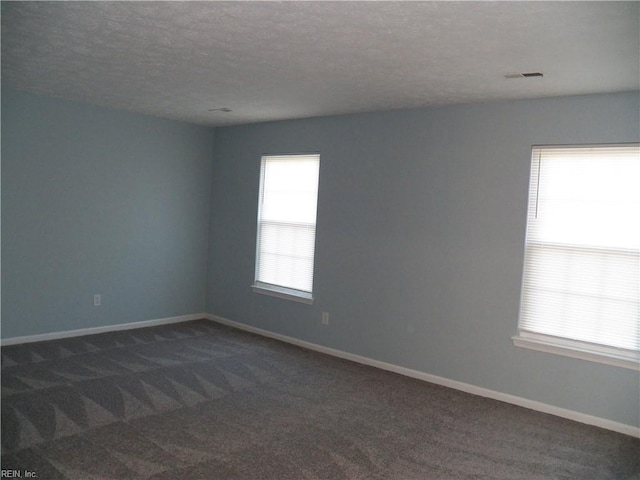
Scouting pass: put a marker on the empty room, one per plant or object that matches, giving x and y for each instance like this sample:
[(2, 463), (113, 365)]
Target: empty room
[(320, 240)]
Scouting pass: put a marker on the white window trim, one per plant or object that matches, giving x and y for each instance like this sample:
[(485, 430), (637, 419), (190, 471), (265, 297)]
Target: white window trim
[(629, 359), (582, 350), (273, 290), (283, 292)]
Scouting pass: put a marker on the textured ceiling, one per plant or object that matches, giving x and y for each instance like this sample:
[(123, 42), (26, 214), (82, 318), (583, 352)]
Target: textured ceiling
[(280, 60)]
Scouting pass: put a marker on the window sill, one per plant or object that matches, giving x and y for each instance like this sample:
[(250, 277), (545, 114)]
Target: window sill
[(284, 293), (567, 348)]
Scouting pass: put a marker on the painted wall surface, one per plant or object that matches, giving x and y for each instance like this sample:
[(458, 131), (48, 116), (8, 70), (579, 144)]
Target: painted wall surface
[(100, 201), (420, 235), (421, 222)]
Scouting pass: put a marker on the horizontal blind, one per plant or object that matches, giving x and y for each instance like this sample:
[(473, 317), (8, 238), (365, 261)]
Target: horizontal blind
[(582, 260), (287, 221)]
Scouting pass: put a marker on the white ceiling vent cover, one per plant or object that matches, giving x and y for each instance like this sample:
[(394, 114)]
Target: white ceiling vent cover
[(523, 75)]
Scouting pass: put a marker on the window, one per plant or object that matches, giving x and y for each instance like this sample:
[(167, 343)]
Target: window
[(581, 289), (287, 226)]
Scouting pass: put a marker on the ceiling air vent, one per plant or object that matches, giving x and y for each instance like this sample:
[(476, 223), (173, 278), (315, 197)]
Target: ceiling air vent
[(523, 75)]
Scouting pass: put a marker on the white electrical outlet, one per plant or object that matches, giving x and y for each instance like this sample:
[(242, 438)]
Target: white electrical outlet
[(325, 318), (97, 300)]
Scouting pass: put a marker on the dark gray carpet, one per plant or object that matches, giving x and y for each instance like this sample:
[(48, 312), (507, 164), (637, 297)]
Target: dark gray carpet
[(203, 401)]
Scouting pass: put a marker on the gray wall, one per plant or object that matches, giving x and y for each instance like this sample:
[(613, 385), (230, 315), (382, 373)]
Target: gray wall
[(420, 233), (421, 222), (100, 201)]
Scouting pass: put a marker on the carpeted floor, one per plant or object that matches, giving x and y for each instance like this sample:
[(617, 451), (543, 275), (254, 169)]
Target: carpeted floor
[(203, 401)]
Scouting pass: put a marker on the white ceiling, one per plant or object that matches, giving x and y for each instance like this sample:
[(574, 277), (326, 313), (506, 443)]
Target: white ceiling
[(281, 60)]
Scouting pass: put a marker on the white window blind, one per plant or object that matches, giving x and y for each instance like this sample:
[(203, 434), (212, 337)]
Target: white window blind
[(581, 283), (287, 223)]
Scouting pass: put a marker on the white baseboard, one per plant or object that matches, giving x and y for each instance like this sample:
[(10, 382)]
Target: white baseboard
[(93, 330), (465, 387)]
